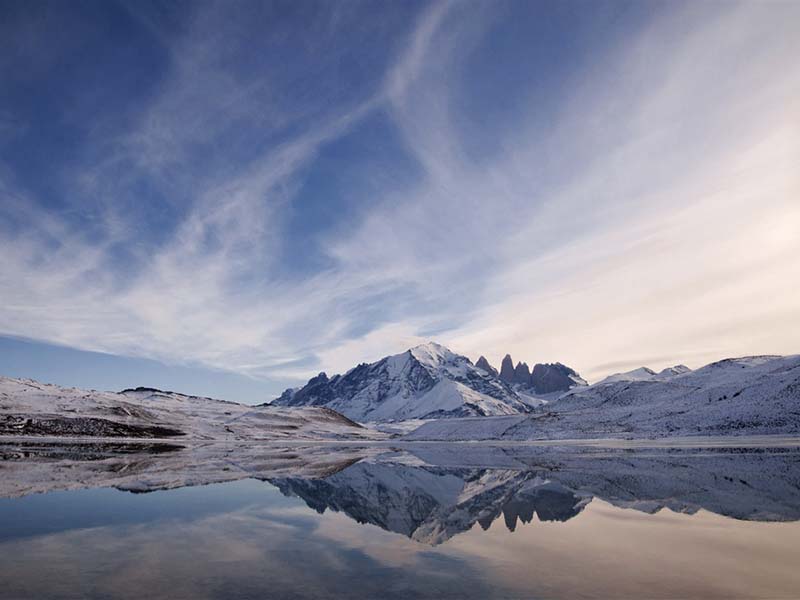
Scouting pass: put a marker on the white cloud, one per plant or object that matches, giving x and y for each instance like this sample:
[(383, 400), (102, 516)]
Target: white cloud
[(667, 224)]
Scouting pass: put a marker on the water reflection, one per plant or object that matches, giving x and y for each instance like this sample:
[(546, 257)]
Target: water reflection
[(433, 500), (432, 521)]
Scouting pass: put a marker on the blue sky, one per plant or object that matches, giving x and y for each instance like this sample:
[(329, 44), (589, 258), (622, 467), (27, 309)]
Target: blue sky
[(226, 198)]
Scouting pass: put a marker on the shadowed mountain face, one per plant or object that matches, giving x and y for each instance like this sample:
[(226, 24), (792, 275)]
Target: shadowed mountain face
[(543, 378), (430, 493)]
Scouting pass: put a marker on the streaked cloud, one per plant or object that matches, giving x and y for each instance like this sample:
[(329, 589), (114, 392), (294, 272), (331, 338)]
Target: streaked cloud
[(644, 205)]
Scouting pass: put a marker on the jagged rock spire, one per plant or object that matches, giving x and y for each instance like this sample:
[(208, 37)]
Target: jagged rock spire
[(507, 369), (522, 374)]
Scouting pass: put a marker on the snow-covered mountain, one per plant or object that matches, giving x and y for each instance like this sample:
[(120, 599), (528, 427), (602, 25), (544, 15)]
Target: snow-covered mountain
[(752, 395), (29, 408), (425, 382), (646, 374)]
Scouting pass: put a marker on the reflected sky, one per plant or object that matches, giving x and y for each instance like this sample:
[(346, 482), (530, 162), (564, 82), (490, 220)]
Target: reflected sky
[(599, 525)]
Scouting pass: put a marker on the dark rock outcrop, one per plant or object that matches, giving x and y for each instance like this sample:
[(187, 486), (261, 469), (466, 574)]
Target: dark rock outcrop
[(555, 377), (522, 374), (81, 426), (544, 378), (507, 369), (484, 364)]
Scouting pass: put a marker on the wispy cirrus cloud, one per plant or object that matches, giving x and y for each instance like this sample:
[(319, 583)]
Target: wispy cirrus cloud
[(645, 206)]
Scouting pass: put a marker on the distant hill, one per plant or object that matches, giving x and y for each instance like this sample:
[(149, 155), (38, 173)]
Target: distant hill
[(30, 408)]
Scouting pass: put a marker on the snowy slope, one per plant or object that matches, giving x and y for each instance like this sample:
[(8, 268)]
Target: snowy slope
[(31, 408), (751, 395), (425, 382), (645, 374), (640, 374)]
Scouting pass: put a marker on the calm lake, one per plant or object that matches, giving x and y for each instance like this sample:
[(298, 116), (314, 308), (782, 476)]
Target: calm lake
[(446, 520)]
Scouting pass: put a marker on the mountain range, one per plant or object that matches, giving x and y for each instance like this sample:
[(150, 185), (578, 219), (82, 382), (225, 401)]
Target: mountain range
[(432, 393), (431, 382), (756, 395), (466, 401)]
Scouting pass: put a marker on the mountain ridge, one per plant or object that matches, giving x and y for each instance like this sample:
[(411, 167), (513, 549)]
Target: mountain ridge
[(430, 381), (756, 395), (425, 382)]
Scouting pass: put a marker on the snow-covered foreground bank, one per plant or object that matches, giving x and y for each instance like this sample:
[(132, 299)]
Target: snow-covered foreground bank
[(30, 408)]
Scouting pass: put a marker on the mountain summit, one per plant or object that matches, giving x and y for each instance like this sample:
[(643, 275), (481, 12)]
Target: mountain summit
[(426, 382)]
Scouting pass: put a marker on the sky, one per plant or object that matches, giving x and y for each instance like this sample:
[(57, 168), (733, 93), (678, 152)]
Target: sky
[(227, 198)]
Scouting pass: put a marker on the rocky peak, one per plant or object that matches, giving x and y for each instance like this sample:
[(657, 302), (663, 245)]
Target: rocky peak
[(555, 377), (507, 369), (522, 374), (484, 364), (432, 354), (321, 378)]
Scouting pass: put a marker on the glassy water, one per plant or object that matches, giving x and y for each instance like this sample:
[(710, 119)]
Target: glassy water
[(99, 521)]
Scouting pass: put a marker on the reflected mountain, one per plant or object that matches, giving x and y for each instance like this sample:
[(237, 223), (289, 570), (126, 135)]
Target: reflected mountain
[(439, 497), (431, 504), (430, 493)]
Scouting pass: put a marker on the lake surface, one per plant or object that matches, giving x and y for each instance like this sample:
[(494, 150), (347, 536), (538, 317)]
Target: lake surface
[(446, 520)]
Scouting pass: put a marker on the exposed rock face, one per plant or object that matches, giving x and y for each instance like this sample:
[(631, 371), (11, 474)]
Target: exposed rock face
[(545, 378), (79, 426), (507, 369), (548, 378), (316, 392), (484, 364), (522, 374)]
